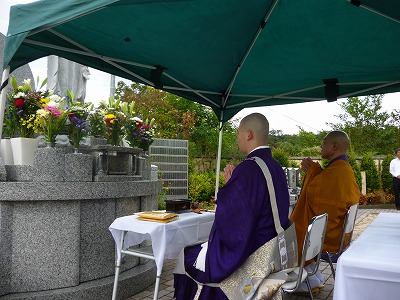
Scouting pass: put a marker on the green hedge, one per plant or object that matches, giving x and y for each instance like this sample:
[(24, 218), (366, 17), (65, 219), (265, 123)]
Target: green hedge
[(371, 173), (386, 177)]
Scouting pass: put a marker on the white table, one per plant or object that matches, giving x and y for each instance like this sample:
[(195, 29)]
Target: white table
[(370, 267), (168, 239)]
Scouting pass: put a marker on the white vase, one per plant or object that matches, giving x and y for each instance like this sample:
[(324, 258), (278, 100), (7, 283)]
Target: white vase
[(6, 152), (23, 150)]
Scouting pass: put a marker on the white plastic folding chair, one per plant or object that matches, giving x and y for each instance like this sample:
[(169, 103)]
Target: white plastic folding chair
[(312, 249), (348, 228)]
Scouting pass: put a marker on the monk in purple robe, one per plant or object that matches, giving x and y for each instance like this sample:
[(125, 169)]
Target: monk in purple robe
[(243, 218)]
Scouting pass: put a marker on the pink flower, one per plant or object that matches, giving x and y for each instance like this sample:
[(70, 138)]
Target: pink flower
[(54, 111)]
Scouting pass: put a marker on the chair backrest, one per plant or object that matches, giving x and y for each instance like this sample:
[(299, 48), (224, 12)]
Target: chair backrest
[(315, 237), (348, 226), (313, 243)]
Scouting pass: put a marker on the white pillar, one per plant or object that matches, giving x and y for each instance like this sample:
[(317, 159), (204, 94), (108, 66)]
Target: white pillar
[(363, 183)]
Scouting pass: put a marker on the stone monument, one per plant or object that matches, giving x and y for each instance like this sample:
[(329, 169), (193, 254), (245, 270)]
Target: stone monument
[(63, 75)]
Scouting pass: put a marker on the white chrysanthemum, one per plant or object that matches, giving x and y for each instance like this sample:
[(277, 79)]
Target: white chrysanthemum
[(136, 119), (19, 95), (55, 98), (27, 81), (42, 112)]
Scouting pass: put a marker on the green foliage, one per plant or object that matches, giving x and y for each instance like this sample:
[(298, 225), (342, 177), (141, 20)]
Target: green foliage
[(312, 151), (303, 144), (364, 120), (371, 172), (201, 187), (324, 163), (353, 163), (281, 156), (386, 177)]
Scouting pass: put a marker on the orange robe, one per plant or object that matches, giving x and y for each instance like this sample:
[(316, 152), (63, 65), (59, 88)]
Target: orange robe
[(332, 190)]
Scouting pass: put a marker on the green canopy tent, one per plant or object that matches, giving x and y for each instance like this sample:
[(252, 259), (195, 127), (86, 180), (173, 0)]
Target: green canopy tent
[(225, 54), (389, 8)]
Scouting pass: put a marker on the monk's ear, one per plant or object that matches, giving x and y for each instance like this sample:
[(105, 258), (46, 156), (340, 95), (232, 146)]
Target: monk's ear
[(250, 135)]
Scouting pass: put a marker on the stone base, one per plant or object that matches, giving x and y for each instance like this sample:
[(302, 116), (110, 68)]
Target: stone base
[(130, 283), (19, 173)]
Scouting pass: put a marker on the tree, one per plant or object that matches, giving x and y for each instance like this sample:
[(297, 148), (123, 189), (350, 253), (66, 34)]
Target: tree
[(369, 128), (179, 118)]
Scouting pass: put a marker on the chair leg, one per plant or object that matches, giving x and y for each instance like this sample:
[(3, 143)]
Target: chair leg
[(309, 289), (331, 264)]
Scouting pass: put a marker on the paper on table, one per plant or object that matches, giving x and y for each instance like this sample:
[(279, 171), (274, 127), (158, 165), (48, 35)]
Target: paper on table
[(156, 216), (158, 220)]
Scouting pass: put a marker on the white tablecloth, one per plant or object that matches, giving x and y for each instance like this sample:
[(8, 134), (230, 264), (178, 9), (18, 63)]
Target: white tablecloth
[(167, 239), (370, 267)]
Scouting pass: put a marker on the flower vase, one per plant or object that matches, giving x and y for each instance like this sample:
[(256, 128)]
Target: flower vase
[(144, 166), (23, 150), (50, 144), (6, 152), (95, 140)]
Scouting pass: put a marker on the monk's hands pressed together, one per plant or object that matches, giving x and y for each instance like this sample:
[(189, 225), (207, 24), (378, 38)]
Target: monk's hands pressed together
[(305, 164), (228, 172)]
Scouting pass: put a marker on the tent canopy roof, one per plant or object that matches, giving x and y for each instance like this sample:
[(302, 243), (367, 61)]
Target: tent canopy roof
[(225, 54)]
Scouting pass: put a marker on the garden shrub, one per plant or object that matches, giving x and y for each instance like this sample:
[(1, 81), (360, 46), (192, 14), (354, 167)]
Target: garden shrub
[(386, 177), (281, 156), (371, 172), (356, 169), (376, 197), (201, 187)]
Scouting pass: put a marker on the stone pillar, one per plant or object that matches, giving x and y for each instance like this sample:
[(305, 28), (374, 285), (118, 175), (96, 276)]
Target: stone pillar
[(49, 164)]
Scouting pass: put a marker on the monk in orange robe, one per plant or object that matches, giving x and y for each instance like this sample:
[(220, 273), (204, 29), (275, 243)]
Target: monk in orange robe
[(331, 190)]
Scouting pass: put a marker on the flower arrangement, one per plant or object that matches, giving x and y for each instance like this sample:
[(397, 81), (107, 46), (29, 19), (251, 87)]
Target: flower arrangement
[(23, 104), (138, 133), (10, 127), (76, 123), (28, 112), (115, 121), (97, 122), (51, 119)]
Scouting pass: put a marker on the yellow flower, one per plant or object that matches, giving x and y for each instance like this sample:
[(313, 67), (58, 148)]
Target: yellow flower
[(44, 101)]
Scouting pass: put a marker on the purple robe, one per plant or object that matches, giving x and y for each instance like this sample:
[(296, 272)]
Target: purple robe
[(243, 223)]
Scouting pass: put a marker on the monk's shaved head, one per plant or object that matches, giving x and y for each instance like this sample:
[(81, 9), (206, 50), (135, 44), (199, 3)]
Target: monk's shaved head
[(341, 138), (257, 123)]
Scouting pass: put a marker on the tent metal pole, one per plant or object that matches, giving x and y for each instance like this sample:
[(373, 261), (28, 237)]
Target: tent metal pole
[(3, 94), (217, 171)]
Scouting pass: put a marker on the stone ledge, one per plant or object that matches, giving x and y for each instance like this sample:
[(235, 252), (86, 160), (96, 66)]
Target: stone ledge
[(45, 191)]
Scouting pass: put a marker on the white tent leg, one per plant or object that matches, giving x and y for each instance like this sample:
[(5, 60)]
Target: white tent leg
[(217, 171), (3, 95)]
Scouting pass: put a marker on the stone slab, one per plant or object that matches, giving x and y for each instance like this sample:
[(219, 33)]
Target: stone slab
[(45, 239)]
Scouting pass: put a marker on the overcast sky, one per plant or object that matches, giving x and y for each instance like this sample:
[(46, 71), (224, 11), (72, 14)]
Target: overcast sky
[(311, 116)]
